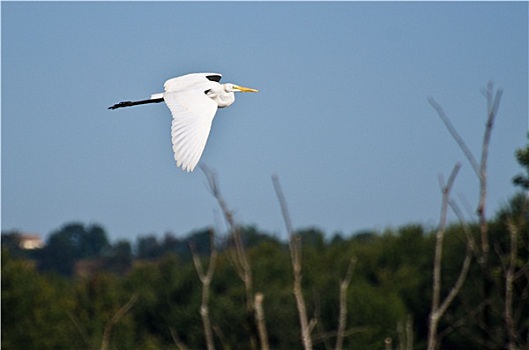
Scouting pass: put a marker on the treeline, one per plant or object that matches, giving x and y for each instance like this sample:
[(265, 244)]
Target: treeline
[(77, 249), (46, 305)]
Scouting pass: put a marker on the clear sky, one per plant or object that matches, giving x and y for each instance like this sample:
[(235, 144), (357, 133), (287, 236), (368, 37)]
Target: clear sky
[(342, 115)]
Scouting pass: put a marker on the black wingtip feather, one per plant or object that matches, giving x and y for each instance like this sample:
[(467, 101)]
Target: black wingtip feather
[(214, 77)]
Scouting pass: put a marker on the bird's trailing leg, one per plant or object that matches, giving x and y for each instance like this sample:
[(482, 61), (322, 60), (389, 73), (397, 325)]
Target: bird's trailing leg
[(135, 103)]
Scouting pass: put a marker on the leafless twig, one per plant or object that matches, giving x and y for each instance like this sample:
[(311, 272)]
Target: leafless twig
[(177, 340), (240, 258), (493, 102), (241, 261), (436, 311), (405, 334), (205, 279), (460, 142), (342, 318), (115, 319), (295, 255), (260, 321), (79, 327)]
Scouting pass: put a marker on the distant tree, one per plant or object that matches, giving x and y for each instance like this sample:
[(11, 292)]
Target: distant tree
[(93, 241), (11, 241), (69, 244), (172, 244), (364, 236), (522, 155), (147, 247), (200, 241), (119, 257), (250, 236), (312, 237), (337, 239)]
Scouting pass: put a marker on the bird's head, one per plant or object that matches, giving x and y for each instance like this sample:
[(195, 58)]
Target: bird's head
[(236, 88)]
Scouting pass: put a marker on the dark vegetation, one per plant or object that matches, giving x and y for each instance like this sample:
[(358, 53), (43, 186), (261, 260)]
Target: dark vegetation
[(47, 305)]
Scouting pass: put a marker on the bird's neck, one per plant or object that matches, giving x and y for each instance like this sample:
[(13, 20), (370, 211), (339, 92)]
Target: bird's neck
[(221, 97)]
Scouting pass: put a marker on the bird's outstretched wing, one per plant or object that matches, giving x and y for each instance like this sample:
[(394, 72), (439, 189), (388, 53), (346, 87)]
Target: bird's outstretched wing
[(193, 112), (191, 81)]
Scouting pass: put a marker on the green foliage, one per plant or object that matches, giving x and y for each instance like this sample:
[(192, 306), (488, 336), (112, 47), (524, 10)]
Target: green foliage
[(70, 244), (34, 308), (522, 156), (391, 282)]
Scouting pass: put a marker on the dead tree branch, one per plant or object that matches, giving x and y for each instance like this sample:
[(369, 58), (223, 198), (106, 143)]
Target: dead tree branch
[(115, 319), (295, 256), (213, 188), (240, 258), (436, 311), (260, 321), (178, 342), (405, 331), (342, 318), (205, 279), (459, 140), (79, 327), (466, 262), (493, 102), (321, 334)]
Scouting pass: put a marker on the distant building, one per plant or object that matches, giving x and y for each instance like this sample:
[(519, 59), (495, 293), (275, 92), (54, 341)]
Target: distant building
[(30, 241)]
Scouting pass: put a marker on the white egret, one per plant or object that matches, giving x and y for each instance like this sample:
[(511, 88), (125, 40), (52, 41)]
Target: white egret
[(193, 100)]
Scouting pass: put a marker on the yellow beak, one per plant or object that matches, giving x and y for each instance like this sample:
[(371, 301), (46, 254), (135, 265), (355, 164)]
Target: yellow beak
[(245, 89)]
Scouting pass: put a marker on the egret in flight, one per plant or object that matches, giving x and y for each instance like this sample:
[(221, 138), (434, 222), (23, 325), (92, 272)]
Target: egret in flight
[(193, 100)]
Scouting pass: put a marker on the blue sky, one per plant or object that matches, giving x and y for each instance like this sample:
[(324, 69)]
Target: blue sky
[(342, 115)]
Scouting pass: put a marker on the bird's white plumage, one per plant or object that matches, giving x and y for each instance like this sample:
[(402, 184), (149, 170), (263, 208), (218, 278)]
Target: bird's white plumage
[(193, 100), (193, 112), (189, 81)]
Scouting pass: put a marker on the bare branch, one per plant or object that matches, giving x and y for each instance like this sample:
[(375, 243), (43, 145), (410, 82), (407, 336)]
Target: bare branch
[(295, 255), (221, 337), (213, 186), (283, 204), (436, 313), (471, 243), (206, 278), (460, 280), (177, 340), (260, 320), (405, 334), (493, 102), (115, 319), (312, 324), (342, 318), (455, 135), (240, 258), (79, 327), (320, 335)]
